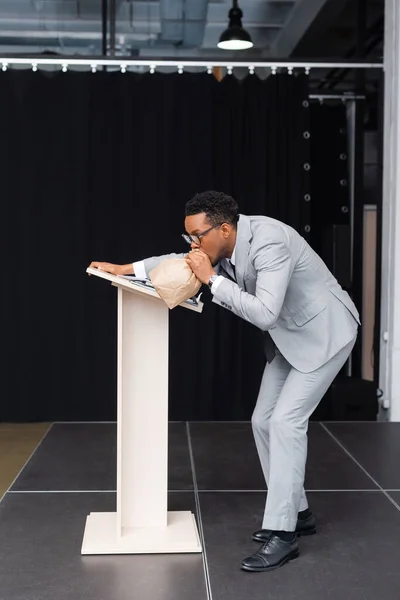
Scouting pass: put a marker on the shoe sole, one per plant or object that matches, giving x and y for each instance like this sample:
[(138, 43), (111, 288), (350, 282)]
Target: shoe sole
[(298, 534), (287, 559)]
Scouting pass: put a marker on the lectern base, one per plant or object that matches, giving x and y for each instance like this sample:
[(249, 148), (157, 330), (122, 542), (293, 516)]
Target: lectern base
[(179, 536)]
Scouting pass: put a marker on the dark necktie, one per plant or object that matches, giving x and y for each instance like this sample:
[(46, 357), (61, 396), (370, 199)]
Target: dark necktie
[(230, 272)]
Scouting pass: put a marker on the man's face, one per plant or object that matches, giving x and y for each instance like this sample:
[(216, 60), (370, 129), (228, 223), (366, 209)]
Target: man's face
[(212, 243)]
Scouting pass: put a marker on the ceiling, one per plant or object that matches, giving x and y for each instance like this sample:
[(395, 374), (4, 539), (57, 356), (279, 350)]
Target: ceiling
[(172, 28), (143, 27), (190, 29)]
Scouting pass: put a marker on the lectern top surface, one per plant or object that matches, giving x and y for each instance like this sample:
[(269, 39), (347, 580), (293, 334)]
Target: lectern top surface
[(135, 284)]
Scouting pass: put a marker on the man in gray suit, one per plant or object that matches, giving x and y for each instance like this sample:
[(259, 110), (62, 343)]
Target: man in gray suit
[(265, 272)]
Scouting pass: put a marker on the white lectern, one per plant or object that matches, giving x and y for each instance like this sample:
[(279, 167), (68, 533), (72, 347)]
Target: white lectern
[(142, 523)]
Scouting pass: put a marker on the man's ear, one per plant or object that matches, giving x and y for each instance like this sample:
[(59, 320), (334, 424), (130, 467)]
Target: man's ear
[(226, 229)]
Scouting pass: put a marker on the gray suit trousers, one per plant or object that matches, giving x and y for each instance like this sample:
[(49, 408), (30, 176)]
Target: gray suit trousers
[(286, 400)]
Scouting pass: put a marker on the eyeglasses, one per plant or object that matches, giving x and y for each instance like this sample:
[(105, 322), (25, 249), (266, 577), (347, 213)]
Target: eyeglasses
[(196, 238)]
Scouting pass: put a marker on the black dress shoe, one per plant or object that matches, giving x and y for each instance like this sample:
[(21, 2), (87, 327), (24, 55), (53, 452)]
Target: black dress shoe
[(303, 527), (272, 555)]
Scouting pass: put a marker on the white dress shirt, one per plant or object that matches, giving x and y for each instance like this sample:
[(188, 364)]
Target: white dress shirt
[(140, 273)]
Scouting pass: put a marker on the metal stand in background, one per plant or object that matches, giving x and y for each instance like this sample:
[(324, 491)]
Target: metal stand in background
[(104, 20), (108, 18), (358, 172), (113, 17)]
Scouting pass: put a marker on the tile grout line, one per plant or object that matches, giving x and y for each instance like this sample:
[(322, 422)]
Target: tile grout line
[(239, 491), (198, 510), (26, 462), (307, 491), (85, 422), (343, 447), (95, 422), (212, 422), (351, 422), (62, 492)]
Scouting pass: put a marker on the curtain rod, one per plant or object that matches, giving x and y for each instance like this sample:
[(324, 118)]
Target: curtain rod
[(122, 63)]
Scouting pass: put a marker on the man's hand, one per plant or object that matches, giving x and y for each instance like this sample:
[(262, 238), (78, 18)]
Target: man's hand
[(201, 265), (113, 269)]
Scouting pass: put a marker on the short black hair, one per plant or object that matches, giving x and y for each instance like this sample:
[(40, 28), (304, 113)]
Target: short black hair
[(218, 207)]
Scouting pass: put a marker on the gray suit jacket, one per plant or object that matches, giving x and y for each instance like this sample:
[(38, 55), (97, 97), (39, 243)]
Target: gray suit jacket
[(284, 288)]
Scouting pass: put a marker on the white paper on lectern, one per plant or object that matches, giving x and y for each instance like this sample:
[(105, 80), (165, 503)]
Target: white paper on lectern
[(195, 300), (122, 280)]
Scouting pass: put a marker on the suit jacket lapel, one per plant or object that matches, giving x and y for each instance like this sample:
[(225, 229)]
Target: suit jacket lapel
[(244, 236)]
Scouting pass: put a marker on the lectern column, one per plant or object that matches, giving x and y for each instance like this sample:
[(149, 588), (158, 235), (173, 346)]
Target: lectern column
[(142, 453)]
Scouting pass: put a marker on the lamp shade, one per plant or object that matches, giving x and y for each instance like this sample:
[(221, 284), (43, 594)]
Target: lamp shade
[(235, 37)]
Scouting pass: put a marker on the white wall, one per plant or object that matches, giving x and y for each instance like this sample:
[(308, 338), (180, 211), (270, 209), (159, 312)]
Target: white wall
[(390, 297)]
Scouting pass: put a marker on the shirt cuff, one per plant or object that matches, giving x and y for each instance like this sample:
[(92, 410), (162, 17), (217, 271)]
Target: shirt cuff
[(139, 270), (216, 283)]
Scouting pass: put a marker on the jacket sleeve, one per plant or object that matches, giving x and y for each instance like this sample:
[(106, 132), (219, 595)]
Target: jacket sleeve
[(154, 261), (273, 265)]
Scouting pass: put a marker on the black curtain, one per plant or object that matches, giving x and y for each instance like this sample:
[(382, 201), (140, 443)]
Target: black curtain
[(330, 192), (330, 184), (350, 397), (98, 167)]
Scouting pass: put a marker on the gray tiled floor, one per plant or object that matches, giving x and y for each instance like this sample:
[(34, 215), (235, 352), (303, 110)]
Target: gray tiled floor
[(83, 457), (355, 554), (40, 543), (395, 496), (226, 459), (376, 446)]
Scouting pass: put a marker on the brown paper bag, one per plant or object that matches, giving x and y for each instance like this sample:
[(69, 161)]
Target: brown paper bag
[(174, 281)]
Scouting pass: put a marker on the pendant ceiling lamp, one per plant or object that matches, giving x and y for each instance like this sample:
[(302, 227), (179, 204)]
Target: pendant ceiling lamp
[(235, 37)]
